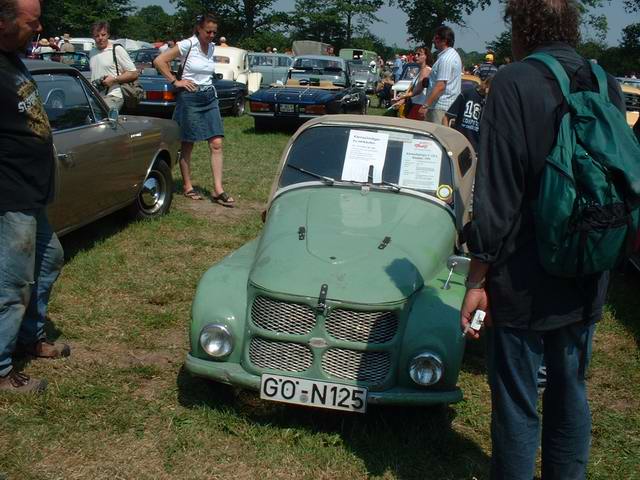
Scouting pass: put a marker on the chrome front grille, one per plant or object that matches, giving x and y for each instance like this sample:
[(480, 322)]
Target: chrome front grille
[(368, 327), (632, 101), (286, 356), (282, 317), (354, 365)]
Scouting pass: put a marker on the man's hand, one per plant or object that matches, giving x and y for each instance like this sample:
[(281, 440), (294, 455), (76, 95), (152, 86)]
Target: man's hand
[(109, 81), (474, 299)]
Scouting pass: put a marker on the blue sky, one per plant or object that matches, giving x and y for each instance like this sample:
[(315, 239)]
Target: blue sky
[(483, 27)]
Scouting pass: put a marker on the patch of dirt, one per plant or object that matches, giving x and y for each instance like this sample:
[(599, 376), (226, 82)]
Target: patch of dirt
[(121, 356), (209, 210)]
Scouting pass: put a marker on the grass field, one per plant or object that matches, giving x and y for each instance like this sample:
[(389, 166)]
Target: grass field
[(122, 406)]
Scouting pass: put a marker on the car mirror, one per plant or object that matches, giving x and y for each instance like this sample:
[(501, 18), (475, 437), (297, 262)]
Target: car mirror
[(456, 264)]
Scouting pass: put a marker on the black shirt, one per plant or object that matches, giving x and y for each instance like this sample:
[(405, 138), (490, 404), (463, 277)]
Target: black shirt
[(26, 144), (467, 110), (518, 129)]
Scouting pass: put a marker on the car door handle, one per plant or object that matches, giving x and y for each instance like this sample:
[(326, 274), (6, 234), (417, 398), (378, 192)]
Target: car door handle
[(66, 159)]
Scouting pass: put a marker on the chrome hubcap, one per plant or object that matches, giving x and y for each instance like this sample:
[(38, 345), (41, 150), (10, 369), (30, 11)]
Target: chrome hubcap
[(153, 193)]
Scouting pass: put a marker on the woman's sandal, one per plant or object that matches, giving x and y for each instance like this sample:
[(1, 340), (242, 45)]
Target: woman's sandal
[(223, 199), (192, 194)]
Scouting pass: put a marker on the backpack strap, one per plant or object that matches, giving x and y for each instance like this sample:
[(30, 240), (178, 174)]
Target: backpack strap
[(601, 76), (115, 60), (555, 67)]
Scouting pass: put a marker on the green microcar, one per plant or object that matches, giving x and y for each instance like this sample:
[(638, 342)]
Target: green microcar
[(351, 294)]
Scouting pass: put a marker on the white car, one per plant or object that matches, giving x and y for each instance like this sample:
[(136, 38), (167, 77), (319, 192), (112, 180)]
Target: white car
[(233, 64)]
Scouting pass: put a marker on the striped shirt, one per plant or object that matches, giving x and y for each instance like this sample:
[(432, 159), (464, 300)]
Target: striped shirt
[(448, 68)]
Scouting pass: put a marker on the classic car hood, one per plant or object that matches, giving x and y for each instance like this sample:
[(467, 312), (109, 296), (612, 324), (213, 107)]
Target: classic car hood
[(370, 248), (301, 95), (401, 85)]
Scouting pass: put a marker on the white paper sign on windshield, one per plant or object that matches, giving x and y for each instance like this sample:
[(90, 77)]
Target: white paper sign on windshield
[(363, 150), (420, 167)]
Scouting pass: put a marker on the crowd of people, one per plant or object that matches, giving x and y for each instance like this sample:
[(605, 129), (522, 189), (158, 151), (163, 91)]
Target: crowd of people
[(531, 314)]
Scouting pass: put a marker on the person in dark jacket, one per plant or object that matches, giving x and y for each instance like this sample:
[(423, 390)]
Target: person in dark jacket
[(530, 313), (30, 254)]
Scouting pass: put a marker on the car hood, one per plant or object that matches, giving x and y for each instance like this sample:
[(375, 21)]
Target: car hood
[(375, 247), (293, 95), (401, 85)]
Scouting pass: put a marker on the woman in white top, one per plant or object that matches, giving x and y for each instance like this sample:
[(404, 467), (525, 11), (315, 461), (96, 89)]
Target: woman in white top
[(418, 88), (197, 111)]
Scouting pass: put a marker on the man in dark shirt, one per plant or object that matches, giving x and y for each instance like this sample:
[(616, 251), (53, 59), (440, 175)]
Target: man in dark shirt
[(530, 313), (466, 111), (30, 254)]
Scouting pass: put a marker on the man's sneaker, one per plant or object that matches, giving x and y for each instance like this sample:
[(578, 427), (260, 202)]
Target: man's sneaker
[(47, 349), (20, 383)]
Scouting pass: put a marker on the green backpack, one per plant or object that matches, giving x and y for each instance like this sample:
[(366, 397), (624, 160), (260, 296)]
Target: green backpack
[(586, 214)]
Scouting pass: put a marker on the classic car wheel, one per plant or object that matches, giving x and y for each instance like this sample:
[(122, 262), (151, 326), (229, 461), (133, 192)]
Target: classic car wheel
[(155, 197), (260, 124), (238, 106)]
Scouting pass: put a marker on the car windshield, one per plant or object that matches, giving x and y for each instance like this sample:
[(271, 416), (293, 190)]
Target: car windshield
[(144, 56), (409, 72), (410, 160), (221, 59), (77, 60), (309, 64)]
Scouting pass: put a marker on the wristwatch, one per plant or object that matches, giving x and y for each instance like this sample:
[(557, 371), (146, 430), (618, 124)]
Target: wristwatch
[(470, 285)]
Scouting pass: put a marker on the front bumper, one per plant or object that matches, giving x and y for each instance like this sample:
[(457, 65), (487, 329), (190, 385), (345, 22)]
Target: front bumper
[(234, 374)]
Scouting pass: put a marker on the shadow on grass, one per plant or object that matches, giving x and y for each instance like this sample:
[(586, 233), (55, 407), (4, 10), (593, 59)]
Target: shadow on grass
[(624, 299), (410, 443), (90, 235)]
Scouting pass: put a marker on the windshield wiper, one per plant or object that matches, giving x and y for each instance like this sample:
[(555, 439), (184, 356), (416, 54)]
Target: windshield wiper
[(327, 180), (395, 187)]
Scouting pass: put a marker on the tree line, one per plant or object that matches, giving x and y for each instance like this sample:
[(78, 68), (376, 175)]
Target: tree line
[(255, 24)]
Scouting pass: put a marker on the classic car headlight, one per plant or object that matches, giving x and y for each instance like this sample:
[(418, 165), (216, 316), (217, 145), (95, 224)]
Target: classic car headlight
[(426, 369), (216, 340)]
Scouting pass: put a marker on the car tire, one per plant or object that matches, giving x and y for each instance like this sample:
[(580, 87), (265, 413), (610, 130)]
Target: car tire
[(238, 106), (154, 199), (260, 124)]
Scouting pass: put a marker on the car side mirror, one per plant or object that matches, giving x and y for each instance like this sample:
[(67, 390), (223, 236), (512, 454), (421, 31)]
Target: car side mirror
[(456, 264)]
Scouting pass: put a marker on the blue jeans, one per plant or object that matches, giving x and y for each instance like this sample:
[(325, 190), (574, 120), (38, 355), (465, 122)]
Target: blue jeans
[(31, 258), (513, 359)]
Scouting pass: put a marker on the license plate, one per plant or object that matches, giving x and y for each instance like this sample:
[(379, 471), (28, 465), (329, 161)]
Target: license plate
[(287, 108), (313, 393)]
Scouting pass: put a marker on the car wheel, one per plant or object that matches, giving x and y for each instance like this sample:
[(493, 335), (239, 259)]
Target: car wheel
[(365, 106), (260, 124), (238, 106), (155, 196), (56, 101)]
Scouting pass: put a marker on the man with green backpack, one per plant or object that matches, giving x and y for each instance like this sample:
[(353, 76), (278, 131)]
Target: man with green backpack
[(555, 208)]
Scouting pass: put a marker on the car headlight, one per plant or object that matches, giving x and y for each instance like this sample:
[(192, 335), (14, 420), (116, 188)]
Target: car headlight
[(216, 340), (426, 369)]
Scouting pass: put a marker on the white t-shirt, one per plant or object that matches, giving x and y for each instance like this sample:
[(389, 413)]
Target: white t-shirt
[(101, 63), (199, 67)]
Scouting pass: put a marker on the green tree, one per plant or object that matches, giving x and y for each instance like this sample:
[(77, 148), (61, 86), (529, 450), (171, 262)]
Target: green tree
[(334, 21), (426, 15), (238, 19), (77, 16), (150, 23), (501, 46)]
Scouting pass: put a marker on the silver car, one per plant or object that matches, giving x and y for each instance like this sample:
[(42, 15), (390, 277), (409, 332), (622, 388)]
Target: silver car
[(272, 66), (104, 162)]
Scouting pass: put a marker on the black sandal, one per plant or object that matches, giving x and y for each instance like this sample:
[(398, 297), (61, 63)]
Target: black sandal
[(223, 199), (193, 194)]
